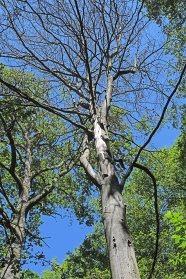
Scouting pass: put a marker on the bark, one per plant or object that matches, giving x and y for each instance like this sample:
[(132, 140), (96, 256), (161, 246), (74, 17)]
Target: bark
[(13, 257), (120, 248), (17, 226)]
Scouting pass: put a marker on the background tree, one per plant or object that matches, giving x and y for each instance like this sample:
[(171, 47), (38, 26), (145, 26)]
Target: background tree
[(105, 55), (171, 16), (33, 161)]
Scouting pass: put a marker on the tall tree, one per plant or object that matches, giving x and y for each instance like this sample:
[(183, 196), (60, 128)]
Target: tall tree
[(32, 176), (105, 54), (90, 259)]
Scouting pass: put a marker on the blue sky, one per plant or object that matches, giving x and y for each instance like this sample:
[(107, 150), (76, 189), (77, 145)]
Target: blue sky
[(67, 234)]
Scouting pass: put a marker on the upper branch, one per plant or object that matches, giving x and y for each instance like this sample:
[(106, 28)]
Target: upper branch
[(86, 60), (155, 129), (124, 72), (41, 105)]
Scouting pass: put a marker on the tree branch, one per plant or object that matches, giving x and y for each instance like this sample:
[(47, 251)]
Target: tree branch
[(11, 170), (14, 176), (33, 201), (6, 197), (6, 219), (41, 105), (38, 237), (130, 169), (137, 165), (46, 169), (11, 140), (86, 165), (125, 72)]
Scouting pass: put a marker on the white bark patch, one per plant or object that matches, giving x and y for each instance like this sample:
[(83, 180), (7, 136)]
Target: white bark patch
[(102, 148)]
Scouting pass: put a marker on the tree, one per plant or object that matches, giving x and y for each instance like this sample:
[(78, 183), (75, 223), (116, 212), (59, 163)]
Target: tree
[(101, 52), (170, 15), (168, 168), (32, 176), (139, 192)]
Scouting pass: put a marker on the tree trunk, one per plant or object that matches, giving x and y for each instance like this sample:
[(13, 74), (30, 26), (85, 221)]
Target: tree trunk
[(13, 257), (120, 248), (12, 266)]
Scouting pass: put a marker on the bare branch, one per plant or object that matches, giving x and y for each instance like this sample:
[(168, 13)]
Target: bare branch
[(124, 72), (155, 129), (93, 101), (87, 166), (139, 166)]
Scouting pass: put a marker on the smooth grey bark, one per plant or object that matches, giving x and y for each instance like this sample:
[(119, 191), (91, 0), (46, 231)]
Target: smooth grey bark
[(120, 248)]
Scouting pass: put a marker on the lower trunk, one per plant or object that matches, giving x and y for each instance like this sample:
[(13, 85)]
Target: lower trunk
[(14, 248), (12, 262), (120, 248)]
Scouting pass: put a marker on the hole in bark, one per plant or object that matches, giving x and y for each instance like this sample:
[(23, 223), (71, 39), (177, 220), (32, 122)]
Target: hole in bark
[(129, 243)]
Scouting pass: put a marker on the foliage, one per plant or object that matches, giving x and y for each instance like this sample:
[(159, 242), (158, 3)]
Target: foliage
[(177, 221), (174, 25), (91, 257), (140, 207), (50, 155), (28, 274)]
